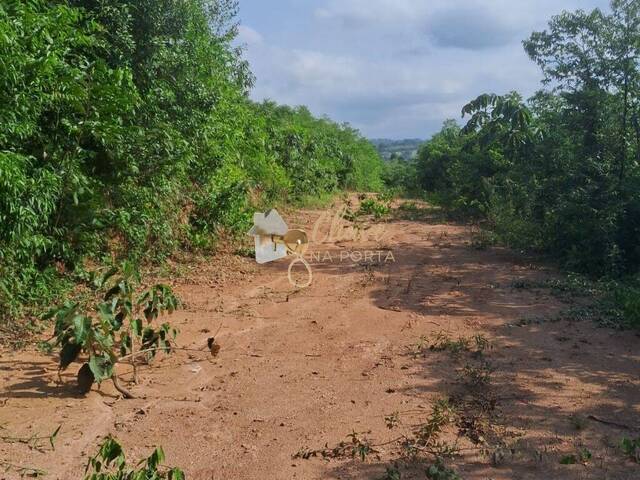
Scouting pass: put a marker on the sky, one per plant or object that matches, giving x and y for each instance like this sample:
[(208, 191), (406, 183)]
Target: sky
[(393, 68)]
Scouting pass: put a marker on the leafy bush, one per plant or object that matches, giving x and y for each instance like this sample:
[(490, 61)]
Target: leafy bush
[(624, 298)]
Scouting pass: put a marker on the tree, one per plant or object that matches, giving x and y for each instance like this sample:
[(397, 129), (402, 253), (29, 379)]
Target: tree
[(572, 53)]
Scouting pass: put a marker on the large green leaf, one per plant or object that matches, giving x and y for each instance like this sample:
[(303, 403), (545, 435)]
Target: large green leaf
[(101, 366), (81, 328)]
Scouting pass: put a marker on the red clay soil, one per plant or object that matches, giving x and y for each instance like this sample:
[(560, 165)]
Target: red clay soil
[(303, 369)]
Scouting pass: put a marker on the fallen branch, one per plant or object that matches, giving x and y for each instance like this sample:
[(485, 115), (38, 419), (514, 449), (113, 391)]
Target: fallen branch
[(33, 441), (155, 349)]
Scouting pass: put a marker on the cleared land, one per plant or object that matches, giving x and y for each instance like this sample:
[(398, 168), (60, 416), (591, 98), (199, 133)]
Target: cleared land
[(301, 369)]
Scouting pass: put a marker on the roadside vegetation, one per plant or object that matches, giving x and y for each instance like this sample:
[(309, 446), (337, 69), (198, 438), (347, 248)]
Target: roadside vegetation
[(126, 132), (558, 173), (127, 135)]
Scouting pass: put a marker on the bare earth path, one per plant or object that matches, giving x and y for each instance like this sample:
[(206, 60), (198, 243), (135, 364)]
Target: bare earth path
[(304, 369)]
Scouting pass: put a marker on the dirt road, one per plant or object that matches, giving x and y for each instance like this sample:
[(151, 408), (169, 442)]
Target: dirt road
[(301, 369)]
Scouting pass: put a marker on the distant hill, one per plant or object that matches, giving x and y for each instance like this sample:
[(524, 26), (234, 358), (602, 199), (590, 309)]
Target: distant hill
[(407, 148)]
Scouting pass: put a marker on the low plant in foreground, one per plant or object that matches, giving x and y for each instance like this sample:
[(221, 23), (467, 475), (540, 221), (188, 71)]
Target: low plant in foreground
[(439, 471), (110, 464), (121, 328)]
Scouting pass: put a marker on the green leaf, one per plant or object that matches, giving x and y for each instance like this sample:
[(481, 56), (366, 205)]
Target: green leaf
[(136, 326), (101, 367), (81, 328), (53, 436), (111, 450), (569, 460), (176, 474), (156, 458)]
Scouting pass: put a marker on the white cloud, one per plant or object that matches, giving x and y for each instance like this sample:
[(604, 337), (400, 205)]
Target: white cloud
[(398, 68)]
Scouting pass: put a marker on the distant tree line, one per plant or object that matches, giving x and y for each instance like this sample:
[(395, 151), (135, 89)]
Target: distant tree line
[(397, 149)]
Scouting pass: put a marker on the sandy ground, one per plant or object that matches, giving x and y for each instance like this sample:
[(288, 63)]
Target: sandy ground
[(303, 369)]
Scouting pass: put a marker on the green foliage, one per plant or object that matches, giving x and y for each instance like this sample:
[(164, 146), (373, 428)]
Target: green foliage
[(392, 473), (400, 175), (631, 448), (442, 342), (123, 321), (558, 173), (34, 441), (126, 130), (425, 437), (624, 301), (110, 464), (371, 206), (583, 456), (439, 471)]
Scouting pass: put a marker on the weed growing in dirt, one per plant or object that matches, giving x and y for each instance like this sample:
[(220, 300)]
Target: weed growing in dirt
[(426, 437), (631, 448), (439, 471), (583, 456), (411, 211), (578, 421), (110, 464), (34, 441), (357, 446), (392, 473), (483, 239), (393, 420), (442, 342), (466, 413), (612, 303), (423, 439), (476, 375), (248, 252), (122, 327), (408, 207)]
